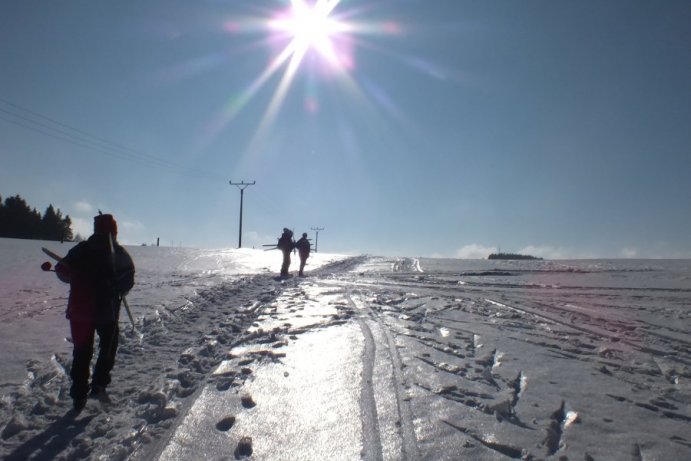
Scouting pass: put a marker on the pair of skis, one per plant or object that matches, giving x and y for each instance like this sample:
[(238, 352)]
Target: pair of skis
[(58, 258), (273, 246)]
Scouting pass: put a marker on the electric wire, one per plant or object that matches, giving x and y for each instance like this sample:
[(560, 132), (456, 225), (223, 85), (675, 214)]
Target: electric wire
[(51, 127)]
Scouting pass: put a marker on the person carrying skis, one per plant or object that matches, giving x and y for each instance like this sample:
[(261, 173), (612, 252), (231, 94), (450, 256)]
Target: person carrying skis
[(303, 247), (286, 245), (100, 272)]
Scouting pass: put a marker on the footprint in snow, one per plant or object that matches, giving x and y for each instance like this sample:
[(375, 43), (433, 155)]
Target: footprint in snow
[(224, 385), (226, 423), (247, 401), (244, 448)]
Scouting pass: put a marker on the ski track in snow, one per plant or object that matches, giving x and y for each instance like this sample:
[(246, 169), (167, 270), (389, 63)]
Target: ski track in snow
[(479, 366), (465, 347)]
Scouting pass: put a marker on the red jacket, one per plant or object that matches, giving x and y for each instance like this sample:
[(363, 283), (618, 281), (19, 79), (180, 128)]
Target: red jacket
[(98, 279)]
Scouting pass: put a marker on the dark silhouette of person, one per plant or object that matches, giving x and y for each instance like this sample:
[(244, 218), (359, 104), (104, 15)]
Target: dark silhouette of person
[(100, 272), (303, 247), (286, 245)]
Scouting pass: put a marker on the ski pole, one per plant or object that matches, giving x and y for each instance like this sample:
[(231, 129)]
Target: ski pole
[(122, 297)]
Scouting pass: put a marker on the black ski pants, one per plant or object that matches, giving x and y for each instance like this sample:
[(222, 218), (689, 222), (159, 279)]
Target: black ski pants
[(83, 335), (286, 263), (303, 261)]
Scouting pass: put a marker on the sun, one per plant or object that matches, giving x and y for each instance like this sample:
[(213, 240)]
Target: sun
[(319, 29), (305, 27), (310, 27)]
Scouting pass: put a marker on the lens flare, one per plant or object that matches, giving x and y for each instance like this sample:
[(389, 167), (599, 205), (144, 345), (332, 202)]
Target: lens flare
[(310, 28), (311, 37)]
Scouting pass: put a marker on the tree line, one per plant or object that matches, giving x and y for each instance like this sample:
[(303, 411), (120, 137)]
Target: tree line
[(511, 256), (19, 220)]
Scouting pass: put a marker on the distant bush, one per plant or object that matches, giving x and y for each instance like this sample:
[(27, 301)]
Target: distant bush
[(18, 220)]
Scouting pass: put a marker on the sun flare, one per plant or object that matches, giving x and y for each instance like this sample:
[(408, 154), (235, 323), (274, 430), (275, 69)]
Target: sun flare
[(312, 37), (310, 27)]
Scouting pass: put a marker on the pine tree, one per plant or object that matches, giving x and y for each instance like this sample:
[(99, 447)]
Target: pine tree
[(66, 228), (18, 220), (51, 225), (3, 218)]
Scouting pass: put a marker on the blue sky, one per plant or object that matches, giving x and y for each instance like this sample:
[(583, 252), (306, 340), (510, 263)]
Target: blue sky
[(436, 128)]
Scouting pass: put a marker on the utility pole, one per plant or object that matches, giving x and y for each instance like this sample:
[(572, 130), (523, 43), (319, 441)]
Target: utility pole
[(316, 242), (242, 185)]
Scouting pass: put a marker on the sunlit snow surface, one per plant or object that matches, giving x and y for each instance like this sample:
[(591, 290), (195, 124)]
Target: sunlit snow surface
[(32, 305), (366, 358)]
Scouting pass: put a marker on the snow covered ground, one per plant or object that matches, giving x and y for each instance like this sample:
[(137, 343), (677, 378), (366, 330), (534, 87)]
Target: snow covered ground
[(366, 358)]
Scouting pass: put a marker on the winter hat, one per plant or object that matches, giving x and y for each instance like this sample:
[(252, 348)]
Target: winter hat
[(105, 224)]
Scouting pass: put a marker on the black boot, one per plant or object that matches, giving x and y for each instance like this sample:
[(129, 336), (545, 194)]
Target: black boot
[(78, 404)]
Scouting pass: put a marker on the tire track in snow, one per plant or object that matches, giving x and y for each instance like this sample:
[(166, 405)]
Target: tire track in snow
[(403, 430), (410, 450), (372, 449)]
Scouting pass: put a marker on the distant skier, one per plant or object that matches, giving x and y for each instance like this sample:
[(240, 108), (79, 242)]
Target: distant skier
[(99, 272), (286, 245), (303, 247)]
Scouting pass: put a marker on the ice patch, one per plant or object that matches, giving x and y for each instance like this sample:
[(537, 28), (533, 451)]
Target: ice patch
[(497, 358), (571, 417)]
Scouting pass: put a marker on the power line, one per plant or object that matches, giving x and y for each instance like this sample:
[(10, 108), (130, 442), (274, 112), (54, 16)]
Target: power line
[(51, 127)]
